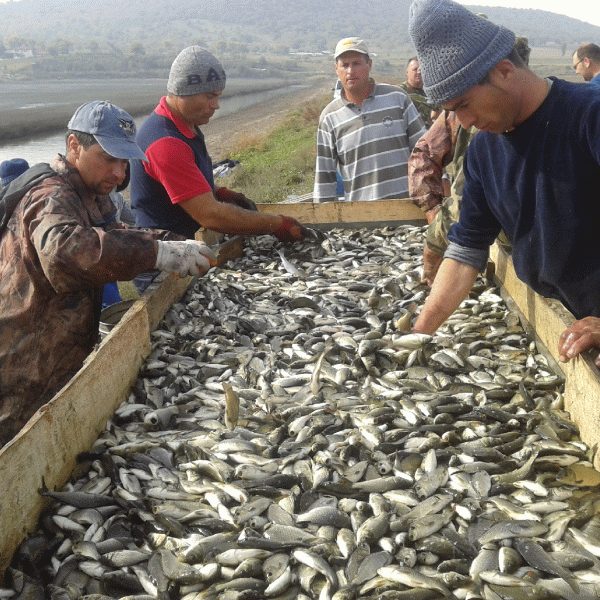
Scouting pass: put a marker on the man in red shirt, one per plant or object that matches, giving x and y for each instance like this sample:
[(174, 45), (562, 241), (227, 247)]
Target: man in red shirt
[(175, 189)]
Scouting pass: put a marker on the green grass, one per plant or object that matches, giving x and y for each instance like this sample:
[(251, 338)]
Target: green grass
[(280, 162)]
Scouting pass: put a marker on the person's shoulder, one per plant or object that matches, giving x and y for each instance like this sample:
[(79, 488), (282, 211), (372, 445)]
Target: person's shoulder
[(391, 91), (335, 105), (389, 88), (577, 97)]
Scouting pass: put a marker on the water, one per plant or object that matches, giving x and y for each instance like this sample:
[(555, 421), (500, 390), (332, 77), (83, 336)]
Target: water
[(45, 148)]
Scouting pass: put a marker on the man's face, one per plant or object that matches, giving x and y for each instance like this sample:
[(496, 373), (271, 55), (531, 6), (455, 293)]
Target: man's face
[(413, 74), (488, 107), (100, 171), (353, 70), (582, 67), (198, 109)]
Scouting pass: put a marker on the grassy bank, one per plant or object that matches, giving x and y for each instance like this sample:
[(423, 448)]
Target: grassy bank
[(278, 163)]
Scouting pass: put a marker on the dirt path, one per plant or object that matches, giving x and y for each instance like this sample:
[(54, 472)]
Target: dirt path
[(222, 133)]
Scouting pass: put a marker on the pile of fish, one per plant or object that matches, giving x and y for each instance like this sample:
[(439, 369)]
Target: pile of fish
[(288, 437)]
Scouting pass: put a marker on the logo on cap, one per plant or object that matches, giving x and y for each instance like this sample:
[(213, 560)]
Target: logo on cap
[(127, 126)]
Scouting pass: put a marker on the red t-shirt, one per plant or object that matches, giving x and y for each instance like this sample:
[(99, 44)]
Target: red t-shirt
[(171, 162)]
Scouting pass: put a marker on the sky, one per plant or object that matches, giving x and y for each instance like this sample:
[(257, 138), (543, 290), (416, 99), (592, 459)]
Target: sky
[(584, 10)]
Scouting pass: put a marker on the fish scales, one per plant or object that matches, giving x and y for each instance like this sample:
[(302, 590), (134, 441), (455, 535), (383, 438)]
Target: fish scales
[(289, 437)]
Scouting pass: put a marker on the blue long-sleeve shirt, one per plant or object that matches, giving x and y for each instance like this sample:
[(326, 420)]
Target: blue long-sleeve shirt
[(540, 183)]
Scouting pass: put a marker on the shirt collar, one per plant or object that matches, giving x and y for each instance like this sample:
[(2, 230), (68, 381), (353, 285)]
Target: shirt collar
[(164, 111), (371, 95)]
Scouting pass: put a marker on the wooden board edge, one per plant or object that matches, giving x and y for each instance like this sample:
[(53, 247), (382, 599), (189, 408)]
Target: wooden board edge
[(394, 211), (549, 318), (45, 451)]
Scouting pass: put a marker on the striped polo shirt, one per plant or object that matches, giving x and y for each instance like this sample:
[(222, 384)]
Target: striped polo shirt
[(369, 145)]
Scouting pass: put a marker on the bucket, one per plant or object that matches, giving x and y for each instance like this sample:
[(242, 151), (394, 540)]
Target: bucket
[(112, 314)]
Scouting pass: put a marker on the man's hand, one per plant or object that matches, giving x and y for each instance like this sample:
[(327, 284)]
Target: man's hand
[(228, 196), (290, 230), (581, 335), (431, 264), (184, 258)]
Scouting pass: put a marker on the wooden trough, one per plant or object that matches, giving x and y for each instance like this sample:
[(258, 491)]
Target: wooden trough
[(45, 451)]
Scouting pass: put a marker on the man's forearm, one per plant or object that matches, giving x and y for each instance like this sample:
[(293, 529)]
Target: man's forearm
[(228, 218), (452, 284)]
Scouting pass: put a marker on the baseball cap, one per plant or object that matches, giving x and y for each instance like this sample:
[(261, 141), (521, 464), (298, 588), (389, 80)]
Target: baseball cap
[(351, 44), (112, 127)]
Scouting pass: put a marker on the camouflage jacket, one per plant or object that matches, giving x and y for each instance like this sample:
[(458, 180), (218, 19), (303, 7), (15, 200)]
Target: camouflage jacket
[(60, 248), (437, 232), (429, 159), (421, 102)]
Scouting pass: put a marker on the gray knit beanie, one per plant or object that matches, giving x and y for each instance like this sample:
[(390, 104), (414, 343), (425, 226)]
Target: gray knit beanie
[(195, 71), (456, 49)]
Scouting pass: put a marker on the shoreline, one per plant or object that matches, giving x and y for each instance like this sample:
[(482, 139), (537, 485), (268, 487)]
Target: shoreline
[(232, 128), (61, 99)]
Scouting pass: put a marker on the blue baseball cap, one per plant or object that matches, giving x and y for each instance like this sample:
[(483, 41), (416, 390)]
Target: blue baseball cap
[(111, 126)]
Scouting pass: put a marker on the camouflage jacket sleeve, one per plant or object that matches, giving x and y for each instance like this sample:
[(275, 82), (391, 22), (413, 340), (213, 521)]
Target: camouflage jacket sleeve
[(428, 159), (77, 242)]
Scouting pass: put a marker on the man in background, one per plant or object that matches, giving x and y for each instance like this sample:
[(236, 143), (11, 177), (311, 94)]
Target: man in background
[(11, 169), (413, 86), (586, 62), (367, 134)]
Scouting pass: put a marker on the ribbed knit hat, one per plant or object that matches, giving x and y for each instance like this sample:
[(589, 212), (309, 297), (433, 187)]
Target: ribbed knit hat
[(11, 169), (456, 48), (195, 71)]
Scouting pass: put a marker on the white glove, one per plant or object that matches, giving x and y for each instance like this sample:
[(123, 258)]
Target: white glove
[(184, 258)]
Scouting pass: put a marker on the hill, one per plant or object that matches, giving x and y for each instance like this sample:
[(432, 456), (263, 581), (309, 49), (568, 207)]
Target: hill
[(143, 36)]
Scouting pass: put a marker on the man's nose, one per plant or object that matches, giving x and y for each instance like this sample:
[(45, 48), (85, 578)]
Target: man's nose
[(120, 169)]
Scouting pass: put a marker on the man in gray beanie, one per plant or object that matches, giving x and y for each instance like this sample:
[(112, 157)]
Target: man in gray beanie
[(175, 189), (533, 169)]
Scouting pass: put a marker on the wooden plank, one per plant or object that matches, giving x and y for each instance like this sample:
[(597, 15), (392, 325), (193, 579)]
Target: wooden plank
[(45, 450), (345, 214), (549, 318)]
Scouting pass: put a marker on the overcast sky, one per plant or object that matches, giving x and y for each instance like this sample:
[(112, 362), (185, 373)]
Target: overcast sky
[(584, 10)]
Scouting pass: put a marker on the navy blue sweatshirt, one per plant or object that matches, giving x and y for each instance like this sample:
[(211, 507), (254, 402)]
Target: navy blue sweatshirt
[(540, 183)]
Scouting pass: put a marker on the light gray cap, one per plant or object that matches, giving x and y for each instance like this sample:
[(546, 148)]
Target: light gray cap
[(195, 71)]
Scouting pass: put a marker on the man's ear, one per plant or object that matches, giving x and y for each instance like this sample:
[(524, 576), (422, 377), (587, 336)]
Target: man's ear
[(505, 68), (73, 146)]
